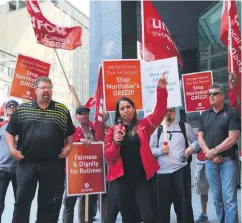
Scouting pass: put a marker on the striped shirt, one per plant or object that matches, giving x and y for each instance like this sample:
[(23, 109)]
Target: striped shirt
[(41, 132)]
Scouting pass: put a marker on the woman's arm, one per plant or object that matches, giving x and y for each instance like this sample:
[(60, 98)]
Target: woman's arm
[(153, 120), (111, 150)]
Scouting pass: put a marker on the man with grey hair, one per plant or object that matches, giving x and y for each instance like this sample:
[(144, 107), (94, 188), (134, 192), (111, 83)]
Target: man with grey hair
[(218, 133), (45, 129)]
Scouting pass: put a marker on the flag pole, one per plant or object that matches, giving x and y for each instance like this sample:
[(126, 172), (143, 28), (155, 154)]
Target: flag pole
[(143, 31), (230, 38), (61, 66)]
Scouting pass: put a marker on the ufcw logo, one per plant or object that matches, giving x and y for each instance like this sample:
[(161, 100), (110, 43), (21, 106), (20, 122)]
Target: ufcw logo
[(154, 24)]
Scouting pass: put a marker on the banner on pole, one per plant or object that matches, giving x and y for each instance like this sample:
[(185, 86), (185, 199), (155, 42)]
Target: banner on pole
[(151, 72), (122, 78), (85, 170), (27, 70), (158, 42), (195, 90), (49, 34)]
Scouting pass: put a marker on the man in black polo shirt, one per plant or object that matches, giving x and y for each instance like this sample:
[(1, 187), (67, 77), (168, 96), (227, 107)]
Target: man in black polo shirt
[(218, 133), (44, 128)]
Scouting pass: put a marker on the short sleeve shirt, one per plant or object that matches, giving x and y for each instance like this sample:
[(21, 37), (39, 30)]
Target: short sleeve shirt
[(41, 133), (216, 126)]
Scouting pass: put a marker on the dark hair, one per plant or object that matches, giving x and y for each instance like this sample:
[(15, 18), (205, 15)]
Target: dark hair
[(217, 86), (134, 122)]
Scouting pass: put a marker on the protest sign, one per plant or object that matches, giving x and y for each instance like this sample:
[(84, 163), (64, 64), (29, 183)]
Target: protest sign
[(85, 170), (27, 70), (151, 72), (122, 78), (195, 90)]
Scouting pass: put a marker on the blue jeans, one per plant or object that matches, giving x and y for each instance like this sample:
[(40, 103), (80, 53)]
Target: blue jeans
[(222, 179)]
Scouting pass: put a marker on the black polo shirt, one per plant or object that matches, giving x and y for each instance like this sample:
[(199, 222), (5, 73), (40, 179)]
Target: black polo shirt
[(41, 133), (216, 127)]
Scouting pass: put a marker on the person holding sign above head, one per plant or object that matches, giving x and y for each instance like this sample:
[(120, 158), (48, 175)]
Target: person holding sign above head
[(131, 163), (42, 127), (174, 176)]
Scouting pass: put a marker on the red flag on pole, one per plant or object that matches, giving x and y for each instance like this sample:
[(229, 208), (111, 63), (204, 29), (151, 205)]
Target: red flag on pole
[(98, 125), (230, 36), (91, 101), (155, 37), (51, 35)]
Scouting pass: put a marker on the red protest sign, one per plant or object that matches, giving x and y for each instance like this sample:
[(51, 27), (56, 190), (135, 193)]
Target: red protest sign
[(195, 90), (85, 170), (27, 70), (122, 78)]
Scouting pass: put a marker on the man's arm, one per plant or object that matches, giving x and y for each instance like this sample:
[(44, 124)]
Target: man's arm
[(153, 144), (228, 142), (202, 142), (16, 154), (234, 133), (192, 137), (77, 103), (11, 132), (68, 147)]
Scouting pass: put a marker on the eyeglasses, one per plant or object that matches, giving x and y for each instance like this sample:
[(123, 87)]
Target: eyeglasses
[(83, 113), (45, 88), (213, 93), (170, 110)]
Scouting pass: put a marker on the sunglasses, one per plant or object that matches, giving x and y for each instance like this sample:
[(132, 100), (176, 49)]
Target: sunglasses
[(213, 93), (83, 113), (12, 106)]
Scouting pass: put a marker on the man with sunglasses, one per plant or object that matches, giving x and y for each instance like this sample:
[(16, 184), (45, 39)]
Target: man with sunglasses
[(7, 163), (174, 176), (219, 130), (84, 133)]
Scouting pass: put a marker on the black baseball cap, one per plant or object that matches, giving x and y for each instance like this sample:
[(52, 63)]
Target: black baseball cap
[(81, 109), (11, 103)]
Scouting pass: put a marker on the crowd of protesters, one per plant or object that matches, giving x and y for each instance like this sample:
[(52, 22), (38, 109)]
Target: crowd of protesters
[(148, 160)]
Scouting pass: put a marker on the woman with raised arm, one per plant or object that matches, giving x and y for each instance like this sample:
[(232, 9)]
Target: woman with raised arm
[(131, 163)]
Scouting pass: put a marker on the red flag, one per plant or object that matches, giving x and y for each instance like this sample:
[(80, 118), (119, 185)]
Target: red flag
[(230, 28), (158, 42), (91, 101), (51, 35), (2, 109), (98, 125)]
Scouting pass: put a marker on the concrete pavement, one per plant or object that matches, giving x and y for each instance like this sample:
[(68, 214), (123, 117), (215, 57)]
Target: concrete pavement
[(7, 215)]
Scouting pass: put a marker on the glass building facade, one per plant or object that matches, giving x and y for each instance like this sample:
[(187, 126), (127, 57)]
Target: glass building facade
[(105, 36)]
